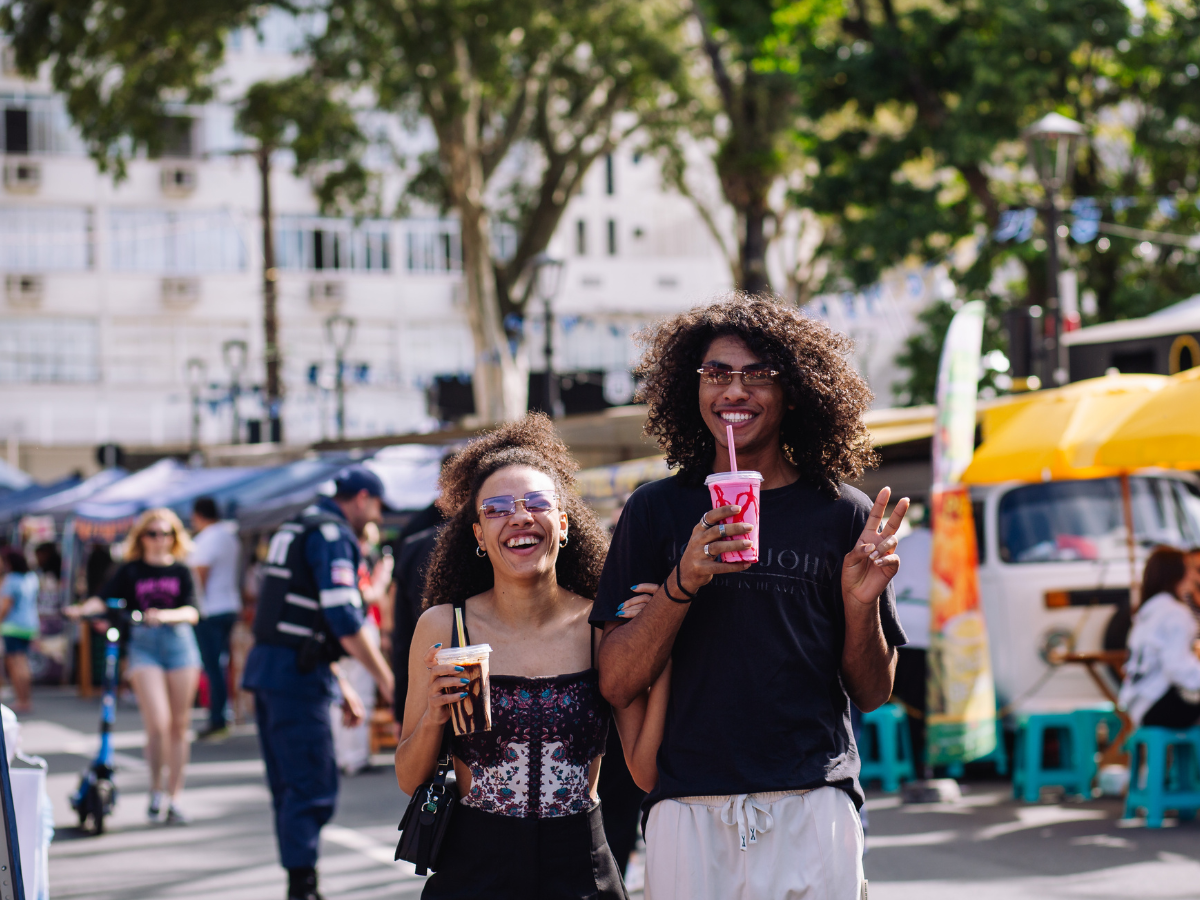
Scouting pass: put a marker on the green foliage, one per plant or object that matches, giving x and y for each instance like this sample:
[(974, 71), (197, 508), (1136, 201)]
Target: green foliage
[(125, 66)]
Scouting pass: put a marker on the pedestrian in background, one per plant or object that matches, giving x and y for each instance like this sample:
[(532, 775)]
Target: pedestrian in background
[(1162, 677), (310, 614), (163, 662), (19, 624), (214, 561)]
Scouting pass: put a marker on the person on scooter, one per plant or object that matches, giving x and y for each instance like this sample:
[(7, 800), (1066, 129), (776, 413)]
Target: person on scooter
[(309, 614), (163, 663)]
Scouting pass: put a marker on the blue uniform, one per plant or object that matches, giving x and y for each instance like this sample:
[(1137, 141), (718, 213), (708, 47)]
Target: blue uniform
[(317, 568)]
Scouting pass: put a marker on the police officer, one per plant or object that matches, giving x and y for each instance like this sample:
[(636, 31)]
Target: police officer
[(310, 613)]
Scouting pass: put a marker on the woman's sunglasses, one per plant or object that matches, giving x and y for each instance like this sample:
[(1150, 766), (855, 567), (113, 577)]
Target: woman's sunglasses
[(506, 504), (752, 378), (158, 534)]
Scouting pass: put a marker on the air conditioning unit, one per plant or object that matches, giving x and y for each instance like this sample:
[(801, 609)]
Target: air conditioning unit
[(327, 295), (178, 180), (23, 291), (22, 176), (180, 293)]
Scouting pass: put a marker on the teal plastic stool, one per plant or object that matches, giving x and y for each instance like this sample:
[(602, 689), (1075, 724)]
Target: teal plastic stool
[(1029, 774), (1087, 723), (885, 750), (1156, 783), (998, 757)]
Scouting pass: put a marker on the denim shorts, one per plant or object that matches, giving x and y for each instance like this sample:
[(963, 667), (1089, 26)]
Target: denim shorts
[(14, 645), (165, 646)]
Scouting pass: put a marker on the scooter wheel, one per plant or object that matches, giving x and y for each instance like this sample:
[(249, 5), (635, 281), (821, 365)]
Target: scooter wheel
[(94, 807)]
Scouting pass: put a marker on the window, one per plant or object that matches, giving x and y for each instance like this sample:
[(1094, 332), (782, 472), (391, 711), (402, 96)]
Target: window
[(581, 238), (16, 130), (175, 139), (45, 350), (610, 186), (34, 239), (612, 237), (316, 244), (177, 242), (1084, 520), (434, 247)]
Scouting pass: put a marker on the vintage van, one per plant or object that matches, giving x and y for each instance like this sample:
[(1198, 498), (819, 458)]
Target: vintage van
[(1054, 571)]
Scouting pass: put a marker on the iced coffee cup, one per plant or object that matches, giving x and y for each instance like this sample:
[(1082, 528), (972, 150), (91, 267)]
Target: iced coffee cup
[(474, 712), (738, 489)]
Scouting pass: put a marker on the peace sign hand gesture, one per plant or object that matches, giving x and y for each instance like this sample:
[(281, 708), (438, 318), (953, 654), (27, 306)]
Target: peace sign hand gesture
[(873, 562)]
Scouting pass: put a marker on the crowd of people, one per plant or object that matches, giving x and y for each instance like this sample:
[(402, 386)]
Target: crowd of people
[(643, 676)]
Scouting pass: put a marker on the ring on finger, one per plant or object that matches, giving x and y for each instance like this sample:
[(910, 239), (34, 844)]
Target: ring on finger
[(704, 520), (706, 553), (721, 529)]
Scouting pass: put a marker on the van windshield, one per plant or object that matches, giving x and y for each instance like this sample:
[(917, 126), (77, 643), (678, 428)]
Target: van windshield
[(1077, 520)]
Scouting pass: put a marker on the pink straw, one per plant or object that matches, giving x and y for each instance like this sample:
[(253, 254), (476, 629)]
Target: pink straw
[(732, 454)]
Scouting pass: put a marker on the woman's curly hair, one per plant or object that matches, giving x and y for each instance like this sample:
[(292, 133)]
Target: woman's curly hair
[(824, 435), (455, 571)]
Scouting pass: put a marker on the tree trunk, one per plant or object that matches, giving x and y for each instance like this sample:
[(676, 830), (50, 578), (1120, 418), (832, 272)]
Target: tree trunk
[(271, 355), (753, 250), (500, 382)]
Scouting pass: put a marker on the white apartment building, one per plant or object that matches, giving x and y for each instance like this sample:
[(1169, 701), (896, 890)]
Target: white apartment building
[(110, 290)]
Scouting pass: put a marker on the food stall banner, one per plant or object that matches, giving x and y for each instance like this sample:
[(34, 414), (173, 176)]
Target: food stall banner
[(960, 693)]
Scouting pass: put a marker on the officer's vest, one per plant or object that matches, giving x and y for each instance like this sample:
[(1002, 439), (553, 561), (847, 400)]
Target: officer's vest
[(289, 605)]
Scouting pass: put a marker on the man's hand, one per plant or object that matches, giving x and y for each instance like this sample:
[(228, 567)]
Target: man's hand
[(871, 565), (353, 711), (698, 567)]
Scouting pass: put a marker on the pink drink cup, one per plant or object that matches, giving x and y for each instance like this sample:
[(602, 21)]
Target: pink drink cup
[(738, 489)]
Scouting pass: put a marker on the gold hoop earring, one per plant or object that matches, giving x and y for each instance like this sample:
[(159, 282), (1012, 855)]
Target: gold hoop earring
[(479, 551)]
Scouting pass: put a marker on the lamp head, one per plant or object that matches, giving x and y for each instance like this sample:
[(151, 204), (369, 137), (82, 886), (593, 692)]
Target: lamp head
[(1052, 140), (547, 274)]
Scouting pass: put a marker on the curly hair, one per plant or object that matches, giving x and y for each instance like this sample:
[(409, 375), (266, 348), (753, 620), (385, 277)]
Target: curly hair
[(455, 571), (823, 436)]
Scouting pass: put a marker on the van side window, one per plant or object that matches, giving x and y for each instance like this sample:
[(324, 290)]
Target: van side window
[(980, 544)]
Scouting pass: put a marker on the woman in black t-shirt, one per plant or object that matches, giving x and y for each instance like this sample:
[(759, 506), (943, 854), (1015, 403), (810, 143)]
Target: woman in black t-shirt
[(164, 661)]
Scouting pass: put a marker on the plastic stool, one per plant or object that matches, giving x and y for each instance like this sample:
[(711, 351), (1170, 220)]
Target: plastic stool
[(998, 757), (1175, 786), (885, 751), (1086, 721), (1029, 776)]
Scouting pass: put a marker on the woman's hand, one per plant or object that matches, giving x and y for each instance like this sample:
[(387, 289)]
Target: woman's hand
[(152, 616), (697, 569), (442, 677), (636, 603), (92, 606), (867, 569)]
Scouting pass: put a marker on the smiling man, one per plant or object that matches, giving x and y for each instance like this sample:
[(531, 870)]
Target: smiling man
[(757, 771)]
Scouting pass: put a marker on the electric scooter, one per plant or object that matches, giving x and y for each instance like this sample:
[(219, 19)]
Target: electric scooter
[(97, 794)]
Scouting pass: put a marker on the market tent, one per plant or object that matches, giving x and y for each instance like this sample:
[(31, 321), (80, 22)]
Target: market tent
[(166, 483), (1163, 431), (61, 501), (409, 473), (12, 478), (1054, 434)]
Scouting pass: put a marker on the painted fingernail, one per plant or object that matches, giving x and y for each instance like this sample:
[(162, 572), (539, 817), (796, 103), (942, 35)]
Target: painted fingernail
[(459, 669), (620, 608), (465, 680), (435, 646), (462, 695), (634, 588)]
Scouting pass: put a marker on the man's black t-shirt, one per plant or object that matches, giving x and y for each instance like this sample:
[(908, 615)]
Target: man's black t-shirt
[(757, 702), (144, 586)]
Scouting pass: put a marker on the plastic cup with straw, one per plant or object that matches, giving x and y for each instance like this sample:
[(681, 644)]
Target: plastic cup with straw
[(474, 711), (734, 488)]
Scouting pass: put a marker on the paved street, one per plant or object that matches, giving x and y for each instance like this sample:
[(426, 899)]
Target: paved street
[(987, 847)]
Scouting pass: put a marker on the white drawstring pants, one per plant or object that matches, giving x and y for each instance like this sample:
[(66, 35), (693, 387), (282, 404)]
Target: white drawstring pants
[(787, 845)]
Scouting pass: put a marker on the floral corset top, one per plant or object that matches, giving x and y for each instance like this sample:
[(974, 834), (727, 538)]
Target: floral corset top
[(535, 761)]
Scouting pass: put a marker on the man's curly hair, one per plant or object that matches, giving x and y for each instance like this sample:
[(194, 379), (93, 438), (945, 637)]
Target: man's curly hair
[(455, 571), (824, 436)]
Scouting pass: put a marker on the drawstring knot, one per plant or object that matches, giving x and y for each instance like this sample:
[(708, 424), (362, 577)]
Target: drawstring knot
[(743, 810)]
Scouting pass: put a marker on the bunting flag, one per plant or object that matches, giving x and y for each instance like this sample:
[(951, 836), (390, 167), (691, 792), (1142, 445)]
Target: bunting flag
[(1017, 224)]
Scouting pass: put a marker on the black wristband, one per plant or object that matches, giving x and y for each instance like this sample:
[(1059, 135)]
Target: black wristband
[(667, 591), (690, 595)]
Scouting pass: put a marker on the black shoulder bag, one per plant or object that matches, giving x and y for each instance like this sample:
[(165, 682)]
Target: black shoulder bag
[(428, 815), (424, 824)]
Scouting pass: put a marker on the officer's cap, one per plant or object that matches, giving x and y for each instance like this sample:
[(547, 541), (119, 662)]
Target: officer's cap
[(352, 479)]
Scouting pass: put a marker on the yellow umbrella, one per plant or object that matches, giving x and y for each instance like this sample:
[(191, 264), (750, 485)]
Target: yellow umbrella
[(1054, 434), (1164, 431)]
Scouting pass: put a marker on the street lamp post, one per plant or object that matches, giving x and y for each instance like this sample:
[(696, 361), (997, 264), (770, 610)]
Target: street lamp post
[(1051, 141), (340, 331), (196, 370), (547, 278), (234, 354)]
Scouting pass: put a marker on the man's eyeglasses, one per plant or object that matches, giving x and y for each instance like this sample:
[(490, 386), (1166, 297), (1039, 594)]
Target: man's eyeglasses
[(506, 504), (751, 378), (158, 534)]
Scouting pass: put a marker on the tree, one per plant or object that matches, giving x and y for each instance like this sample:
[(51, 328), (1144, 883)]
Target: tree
[(128, 67), (523, 97)]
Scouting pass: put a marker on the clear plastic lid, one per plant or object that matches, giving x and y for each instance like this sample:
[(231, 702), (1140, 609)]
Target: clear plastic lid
[(467, 654), (744, 475)]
